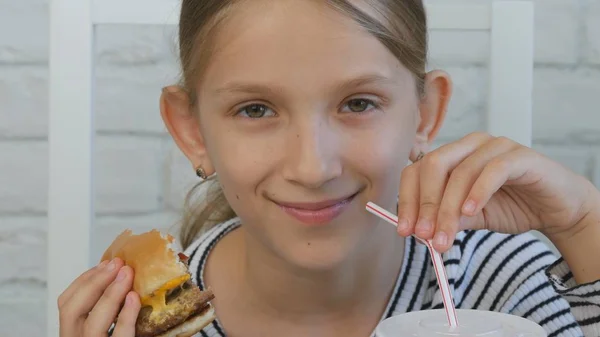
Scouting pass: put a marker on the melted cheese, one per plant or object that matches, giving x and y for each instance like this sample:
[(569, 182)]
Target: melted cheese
[(157, 300)]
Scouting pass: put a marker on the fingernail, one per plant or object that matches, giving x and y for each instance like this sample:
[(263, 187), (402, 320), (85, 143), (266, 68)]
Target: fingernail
[(121, 275), (424, 225), (111, 266), (102, 264), (469, 206), (441, 239), (402, 225)]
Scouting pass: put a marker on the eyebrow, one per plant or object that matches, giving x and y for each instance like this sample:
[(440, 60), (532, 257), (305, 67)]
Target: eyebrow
[(253, 88), (249, 88), (361, 81)]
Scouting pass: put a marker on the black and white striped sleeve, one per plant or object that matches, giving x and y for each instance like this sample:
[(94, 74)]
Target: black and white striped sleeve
[(583, 299), (507, 273)]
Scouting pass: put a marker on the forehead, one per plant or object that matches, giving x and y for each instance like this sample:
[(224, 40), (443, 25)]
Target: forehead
[(295, 42)]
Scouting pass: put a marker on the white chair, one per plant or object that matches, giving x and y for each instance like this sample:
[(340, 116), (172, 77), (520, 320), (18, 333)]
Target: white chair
[(71, 133)]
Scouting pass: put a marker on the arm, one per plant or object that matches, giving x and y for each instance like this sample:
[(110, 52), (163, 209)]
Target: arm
[(550, 297), (576, 275), (519, 275), (507, 273), (564, 300), (583, 299)]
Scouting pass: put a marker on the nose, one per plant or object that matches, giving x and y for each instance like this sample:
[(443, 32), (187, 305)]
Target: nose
[(314, 157)]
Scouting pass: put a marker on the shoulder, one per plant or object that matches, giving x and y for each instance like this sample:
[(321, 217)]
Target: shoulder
[(213, 234), (201, 247)]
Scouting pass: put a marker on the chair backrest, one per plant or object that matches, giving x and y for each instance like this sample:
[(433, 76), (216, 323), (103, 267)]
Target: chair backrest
[(71, 132)]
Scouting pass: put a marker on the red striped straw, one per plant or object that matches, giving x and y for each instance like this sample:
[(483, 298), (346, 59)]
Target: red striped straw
[(438, 264)]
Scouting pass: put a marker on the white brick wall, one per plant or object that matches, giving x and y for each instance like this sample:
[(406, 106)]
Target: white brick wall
[(24, 97), (591, 38), (142, 179)]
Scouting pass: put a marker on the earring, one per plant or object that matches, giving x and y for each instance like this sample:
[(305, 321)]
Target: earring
[(201, 173), (420, 156)]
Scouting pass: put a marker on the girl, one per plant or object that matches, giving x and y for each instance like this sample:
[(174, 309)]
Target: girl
[(307, 110)]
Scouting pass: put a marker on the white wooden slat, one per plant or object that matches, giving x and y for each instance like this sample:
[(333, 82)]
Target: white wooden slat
[(138, 12), (511, 71), (166, 12), (459, 16), (70, 206)]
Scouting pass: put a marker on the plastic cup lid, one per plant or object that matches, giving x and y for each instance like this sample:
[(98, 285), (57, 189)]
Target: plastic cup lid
[(472, 323)]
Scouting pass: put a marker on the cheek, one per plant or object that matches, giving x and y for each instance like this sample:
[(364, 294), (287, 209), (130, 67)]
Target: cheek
[(384, 149), (380, 158), (238, 162)]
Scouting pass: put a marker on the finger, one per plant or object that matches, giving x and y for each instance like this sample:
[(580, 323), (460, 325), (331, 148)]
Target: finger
[(502, 169), (432, 182), (106, 309), (125, 326), (88, 294), (76, 284), (435, 169), (408, 200), (71, 322), (460, 183)]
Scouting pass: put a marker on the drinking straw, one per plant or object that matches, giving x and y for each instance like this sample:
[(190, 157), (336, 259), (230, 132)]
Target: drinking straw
[(438, 264)]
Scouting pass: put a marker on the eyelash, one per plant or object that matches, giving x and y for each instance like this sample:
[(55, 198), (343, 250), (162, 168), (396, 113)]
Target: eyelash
[(369, 102), (374, 105), (245, 107)]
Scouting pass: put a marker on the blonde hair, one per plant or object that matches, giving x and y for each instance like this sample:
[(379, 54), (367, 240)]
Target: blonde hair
[(403, 31)]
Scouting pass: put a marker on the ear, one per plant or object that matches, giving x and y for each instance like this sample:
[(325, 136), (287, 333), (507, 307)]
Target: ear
[(432, 110), (184, 126)]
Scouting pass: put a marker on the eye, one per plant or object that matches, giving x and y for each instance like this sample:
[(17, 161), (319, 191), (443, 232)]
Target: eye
[(255, 111), (359, 105)]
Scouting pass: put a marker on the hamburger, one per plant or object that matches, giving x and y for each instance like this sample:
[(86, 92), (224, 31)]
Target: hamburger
[(171, 304)]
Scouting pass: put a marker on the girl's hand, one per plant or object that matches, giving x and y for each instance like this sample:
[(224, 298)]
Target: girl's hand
[(90, 305), (485, 182)]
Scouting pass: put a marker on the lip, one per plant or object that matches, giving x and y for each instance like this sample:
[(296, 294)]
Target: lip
[(317, 213)]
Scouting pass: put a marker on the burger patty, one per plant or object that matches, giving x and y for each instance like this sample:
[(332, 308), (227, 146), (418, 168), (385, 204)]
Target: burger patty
[(182, 302)]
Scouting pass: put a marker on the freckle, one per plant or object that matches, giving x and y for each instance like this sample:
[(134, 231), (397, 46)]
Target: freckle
[(308, 243), (298, 136), (237, 197)]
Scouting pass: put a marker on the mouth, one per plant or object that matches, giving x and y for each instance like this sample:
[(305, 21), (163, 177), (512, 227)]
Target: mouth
[(317, 213)]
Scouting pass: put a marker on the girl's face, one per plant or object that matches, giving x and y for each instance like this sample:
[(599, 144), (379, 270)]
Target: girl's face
[(305, 118)]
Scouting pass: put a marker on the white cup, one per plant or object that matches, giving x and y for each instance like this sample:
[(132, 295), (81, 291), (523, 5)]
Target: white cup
[(472, 323)]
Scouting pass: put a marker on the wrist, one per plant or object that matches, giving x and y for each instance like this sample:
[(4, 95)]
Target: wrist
[(586, 219), (581, 242), (587, 228)]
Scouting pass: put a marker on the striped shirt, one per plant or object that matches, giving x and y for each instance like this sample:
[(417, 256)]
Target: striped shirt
[(514, 274)]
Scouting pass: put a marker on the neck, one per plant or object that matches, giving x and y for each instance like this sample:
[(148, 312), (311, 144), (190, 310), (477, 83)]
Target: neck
[(361, 283)]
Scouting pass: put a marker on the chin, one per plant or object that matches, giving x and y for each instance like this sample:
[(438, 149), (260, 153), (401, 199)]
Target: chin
[(325, 249), (320, 255), (319, 248)]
